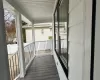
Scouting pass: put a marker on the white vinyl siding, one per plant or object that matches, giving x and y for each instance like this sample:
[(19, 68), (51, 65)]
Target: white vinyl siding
[(80, 15)]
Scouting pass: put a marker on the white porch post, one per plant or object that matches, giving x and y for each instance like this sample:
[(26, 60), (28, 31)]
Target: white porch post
[(4, 66), (53, 44), (33, 37), (20, 44)]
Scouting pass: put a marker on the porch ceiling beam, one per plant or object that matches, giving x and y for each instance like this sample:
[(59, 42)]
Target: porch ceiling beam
[(18, 8)]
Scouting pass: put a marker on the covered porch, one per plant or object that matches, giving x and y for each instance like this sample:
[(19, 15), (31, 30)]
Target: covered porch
[(34, 60), (69, 52)]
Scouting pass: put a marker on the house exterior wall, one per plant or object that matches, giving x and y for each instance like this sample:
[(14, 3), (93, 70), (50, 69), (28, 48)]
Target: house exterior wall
[(39, 36), (80, 16), (97, 43), (28, 35)]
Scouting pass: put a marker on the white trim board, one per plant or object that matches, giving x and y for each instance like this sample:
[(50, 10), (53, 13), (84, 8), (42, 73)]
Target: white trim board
[(61, 72)]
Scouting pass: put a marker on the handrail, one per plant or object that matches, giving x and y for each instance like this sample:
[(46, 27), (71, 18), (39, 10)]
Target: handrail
[(28, 44)]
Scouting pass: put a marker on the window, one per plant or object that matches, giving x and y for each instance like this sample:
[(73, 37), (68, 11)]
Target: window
[(61, 32), (56, 31)]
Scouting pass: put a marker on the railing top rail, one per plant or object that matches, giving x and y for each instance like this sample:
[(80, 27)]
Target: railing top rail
[(13, 55), (43, 41), (17, 51), (29, 44)]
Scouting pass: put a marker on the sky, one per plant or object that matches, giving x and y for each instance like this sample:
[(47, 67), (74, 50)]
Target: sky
[(8, 15)]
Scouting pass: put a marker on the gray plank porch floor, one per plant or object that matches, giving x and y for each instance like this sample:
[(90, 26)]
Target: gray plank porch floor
[(42, 68)]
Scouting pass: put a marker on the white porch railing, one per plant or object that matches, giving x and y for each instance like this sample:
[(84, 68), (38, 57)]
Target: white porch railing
[(43, 45), (29, 53)]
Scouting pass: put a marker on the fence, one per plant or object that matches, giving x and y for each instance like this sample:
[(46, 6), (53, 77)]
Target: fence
[(13, 65)]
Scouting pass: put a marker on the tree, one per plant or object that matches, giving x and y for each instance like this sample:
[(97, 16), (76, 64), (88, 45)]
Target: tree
[(9, 26), (10, 31)]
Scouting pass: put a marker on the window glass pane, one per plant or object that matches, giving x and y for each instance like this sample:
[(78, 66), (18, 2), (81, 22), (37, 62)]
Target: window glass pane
[(60, 32), (56, 32), (63, 28)]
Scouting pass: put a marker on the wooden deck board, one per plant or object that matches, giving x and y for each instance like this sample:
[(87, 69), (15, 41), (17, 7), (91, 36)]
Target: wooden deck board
[(42, 68)]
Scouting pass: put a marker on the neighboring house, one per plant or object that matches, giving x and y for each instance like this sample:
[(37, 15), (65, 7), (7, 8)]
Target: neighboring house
[(42, 33)]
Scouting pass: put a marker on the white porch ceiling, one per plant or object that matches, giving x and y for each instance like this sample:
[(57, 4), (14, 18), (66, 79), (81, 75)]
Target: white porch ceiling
[(11, 9), (38, 11)]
